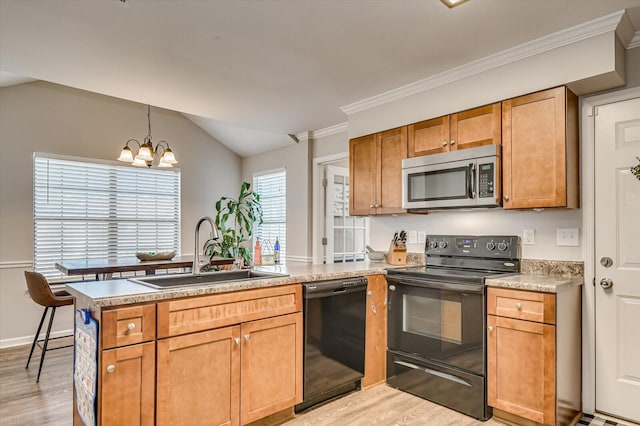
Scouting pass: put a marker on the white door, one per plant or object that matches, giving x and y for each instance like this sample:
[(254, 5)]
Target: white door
[(617, 236), (345, 235)]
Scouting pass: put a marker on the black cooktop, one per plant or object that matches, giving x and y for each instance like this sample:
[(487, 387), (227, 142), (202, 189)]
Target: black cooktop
[(446, 274)]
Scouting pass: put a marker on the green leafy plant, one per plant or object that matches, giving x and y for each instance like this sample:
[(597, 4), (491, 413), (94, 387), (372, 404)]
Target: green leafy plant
[(636, 169), (235, 218)]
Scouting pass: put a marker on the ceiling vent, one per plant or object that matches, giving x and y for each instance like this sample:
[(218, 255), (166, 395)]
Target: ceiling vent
[(125, 3)]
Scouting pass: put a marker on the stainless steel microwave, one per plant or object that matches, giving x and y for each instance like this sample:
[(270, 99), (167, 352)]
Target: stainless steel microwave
[(457, 179)]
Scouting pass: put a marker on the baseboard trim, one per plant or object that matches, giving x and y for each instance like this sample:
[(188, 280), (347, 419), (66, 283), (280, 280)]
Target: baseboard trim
[(27, 340)]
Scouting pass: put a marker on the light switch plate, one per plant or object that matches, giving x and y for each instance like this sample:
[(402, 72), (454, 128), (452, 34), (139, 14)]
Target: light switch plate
[(413, 237), (528, 236), (568, 237), (422, 237)]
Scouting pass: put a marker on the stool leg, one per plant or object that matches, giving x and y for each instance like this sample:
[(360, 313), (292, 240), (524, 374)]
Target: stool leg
[(46, 342), (35, 339)]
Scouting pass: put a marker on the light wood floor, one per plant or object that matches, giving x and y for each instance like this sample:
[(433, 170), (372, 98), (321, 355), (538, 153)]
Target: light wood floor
[(23, 402)]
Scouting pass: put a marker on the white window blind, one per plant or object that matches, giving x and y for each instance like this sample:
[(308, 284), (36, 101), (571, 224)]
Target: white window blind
[(86, 210), (272, 188)]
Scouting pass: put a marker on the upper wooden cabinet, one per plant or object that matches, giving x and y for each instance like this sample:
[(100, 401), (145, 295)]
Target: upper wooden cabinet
[(540, 150), (466, 129), (375, 170)]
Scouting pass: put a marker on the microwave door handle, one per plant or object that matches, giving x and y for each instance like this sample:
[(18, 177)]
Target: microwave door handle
[(471, 179)]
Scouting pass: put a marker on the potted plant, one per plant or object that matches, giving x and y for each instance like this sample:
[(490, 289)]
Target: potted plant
[(234, 220)]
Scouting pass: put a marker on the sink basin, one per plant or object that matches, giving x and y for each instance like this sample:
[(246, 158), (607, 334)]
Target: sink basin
[(207, 278)]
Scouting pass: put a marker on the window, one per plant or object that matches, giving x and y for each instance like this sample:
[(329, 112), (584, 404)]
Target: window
[(273, 198), (87, 210)]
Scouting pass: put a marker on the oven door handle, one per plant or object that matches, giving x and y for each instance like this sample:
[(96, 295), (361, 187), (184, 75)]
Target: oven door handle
[(416, 282), (440, 374)]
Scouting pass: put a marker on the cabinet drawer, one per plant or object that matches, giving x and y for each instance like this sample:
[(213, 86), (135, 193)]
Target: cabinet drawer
[(128, 326), (519, 304), (177, 317)]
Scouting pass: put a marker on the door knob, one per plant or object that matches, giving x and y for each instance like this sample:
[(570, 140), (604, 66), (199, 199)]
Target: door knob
[(606, 283), (606, 262)]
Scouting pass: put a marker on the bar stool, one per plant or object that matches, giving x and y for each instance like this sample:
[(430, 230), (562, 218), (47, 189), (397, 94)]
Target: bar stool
[(41, 293)]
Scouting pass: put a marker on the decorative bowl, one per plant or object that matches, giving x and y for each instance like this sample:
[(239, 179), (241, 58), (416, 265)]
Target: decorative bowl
[(376, 256), (155, 255)]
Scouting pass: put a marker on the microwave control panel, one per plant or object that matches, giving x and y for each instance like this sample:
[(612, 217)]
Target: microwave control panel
[(485, 177)]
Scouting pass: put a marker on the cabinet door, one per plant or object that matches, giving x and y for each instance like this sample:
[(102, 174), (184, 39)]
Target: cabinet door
[(375, 361), (128, 385), (540, 150), (392, 149), (271, 378), (363, 175), (476, 127), (198, 378), (521, 368), (429, 137)]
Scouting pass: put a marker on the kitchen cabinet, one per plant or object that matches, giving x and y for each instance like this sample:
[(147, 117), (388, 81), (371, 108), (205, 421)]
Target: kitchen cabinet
[(466, 129), (533, 355), (375, 170), (127, 370), (224, 359), (375, 360), (540, 150)]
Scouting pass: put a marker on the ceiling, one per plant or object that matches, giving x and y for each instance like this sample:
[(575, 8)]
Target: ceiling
[(252, 72)]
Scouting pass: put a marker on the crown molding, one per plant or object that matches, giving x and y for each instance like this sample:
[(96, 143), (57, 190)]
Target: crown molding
[(331, 130), (635, 41), (535, 47)]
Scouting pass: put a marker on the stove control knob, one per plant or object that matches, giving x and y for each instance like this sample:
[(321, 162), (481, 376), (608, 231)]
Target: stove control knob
[(442, 244), (491, 245), (433, 244), (503, 246)]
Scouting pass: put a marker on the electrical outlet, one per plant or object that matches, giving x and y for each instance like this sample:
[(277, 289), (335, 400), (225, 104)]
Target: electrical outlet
[(412, 237), (528, 236), (568, 237), (422, 237)]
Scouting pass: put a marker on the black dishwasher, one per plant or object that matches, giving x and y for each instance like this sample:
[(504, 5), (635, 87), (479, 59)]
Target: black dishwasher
[(334, 331)]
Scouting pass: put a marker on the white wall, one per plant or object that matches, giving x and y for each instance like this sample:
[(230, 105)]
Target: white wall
[(296, 160), (49, 118)]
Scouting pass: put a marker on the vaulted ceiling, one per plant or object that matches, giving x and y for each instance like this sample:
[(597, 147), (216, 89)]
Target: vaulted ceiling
[(251, 72)]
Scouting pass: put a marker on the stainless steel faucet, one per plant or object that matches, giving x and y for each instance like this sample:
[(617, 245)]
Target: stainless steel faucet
[(197, 263)]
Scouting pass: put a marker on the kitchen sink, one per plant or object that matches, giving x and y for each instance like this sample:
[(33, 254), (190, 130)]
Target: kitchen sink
[(206, 278)]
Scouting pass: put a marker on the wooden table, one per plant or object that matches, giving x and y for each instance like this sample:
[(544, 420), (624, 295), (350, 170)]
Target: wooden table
[(104, 268)]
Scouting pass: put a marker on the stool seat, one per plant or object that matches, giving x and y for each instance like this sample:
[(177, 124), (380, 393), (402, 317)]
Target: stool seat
[(41, 293)]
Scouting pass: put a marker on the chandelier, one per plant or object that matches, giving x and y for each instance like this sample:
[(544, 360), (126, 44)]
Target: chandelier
[(147, 154)]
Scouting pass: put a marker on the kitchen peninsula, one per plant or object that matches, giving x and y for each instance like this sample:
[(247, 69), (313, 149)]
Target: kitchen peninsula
[(250, 332)]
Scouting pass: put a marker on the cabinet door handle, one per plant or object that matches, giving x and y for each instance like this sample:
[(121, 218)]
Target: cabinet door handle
[(111, 368), (445, 143), (373, 305), (506, 198), (452, 142), (518, 305), (371, 206), (490, 328), (237, 340), (377, 205), (131, 326), (247, 336)]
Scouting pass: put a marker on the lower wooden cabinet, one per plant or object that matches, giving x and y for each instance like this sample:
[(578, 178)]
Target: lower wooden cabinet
[(271, 365), (127, 376), (375, 361), (199, 378), (534, 355)]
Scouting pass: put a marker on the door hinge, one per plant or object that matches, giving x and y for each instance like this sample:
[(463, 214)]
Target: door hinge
[(325, 182), (325, 242)]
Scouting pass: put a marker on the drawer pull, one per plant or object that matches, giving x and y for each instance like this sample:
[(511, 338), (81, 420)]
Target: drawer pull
[(246, 337), (131, 326), (111, 368), (237, 340), (518, 306)]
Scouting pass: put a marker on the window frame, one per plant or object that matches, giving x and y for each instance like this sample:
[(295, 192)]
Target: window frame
[(257, 233)]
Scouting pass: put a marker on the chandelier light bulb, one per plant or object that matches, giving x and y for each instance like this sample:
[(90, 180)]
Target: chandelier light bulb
[(126, 155)]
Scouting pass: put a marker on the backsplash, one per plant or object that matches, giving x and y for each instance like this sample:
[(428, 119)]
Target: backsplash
[(552, 267)]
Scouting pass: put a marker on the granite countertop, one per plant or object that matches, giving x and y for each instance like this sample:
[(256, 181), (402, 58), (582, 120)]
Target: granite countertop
[(535, 282), (122, 292)]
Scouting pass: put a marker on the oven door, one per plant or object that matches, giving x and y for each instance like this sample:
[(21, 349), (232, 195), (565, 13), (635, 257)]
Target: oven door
[(438, 321)]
